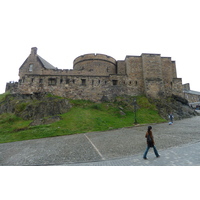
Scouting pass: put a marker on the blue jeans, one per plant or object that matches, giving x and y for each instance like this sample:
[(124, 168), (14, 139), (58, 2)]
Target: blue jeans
[(155, 151)]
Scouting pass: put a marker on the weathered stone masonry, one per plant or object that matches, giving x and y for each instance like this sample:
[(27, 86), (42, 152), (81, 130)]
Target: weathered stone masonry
[(97, 76), (193, 97)]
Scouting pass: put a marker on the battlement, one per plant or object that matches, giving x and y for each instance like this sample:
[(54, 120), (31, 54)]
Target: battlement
[(92, 57), (12, 87)]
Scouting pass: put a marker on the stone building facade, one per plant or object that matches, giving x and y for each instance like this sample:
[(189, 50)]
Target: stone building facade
[(98, 76), (192, 96)]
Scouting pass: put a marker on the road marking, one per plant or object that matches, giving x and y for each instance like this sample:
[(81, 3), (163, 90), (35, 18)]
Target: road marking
[(95, 147)]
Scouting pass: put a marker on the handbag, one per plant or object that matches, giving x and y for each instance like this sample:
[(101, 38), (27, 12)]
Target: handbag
[(149, 141)]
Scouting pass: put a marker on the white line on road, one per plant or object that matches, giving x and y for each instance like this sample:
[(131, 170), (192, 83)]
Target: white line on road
[(94, 147)]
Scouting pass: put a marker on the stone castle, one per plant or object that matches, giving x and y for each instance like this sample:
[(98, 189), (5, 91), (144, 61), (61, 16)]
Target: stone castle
[(99, 77)]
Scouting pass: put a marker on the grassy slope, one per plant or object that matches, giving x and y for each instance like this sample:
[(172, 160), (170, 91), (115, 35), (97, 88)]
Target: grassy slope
[(85, 116)]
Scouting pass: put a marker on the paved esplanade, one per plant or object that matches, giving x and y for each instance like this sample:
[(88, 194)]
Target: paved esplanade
[(178, 144), (185, 155)]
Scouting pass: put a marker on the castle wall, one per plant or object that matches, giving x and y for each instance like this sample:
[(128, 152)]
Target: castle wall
[(186, 86), (174, 73), (97, 76), (192, 97), (90, 57), (152, 72), (12, 87), (95, 64), (177, 88), (135, 79), (121, 67), (76, 87), (167, 71)]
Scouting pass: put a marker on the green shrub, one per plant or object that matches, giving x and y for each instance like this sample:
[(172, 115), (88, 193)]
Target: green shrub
[(20, 107)]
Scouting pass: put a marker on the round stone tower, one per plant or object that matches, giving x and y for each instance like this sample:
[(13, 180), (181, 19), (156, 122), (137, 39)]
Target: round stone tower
[(96, 64)]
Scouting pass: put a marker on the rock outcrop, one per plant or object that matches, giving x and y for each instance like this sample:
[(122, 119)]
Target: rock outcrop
[(176, 105), (44, 108), (34, 106)]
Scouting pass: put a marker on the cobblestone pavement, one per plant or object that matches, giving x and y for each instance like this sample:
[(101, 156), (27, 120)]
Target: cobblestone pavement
[(178, 144), (184, 155)]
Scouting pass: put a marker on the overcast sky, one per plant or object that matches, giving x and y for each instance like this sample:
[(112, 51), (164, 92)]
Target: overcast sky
[(65, 29)]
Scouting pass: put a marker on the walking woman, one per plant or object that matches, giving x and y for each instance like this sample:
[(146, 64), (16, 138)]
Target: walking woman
[(150, 143)]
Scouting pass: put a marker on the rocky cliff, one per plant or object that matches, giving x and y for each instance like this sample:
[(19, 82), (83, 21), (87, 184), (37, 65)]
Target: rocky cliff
[(176, 105), (44, 108), (34, 106)]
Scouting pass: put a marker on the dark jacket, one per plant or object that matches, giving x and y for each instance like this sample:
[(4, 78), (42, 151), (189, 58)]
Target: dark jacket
[(151, 135)]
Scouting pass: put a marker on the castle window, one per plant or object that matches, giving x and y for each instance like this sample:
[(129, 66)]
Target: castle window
[(52, 81), (92, 82), (83, 81), (105, 82), (61, 81), (114, 82), (32, 80), (73, 81), (136, 83), (41, 81), (30, 67)]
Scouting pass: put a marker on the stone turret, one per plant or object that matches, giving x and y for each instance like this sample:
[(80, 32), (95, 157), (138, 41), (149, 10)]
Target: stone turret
[(98, 64)]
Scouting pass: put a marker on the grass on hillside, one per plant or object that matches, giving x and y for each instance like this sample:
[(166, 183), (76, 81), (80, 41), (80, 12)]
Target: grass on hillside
[(84, 116)]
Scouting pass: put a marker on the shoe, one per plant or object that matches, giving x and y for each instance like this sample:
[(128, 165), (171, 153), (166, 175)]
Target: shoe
[(145, 158), (158, 156)]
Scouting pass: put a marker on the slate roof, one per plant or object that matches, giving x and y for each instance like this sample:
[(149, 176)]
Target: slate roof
[(45, 64), (191, 92)]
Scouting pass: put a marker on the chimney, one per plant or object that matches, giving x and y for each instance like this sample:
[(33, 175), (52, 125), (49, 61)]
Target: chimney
[(34, 51)]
